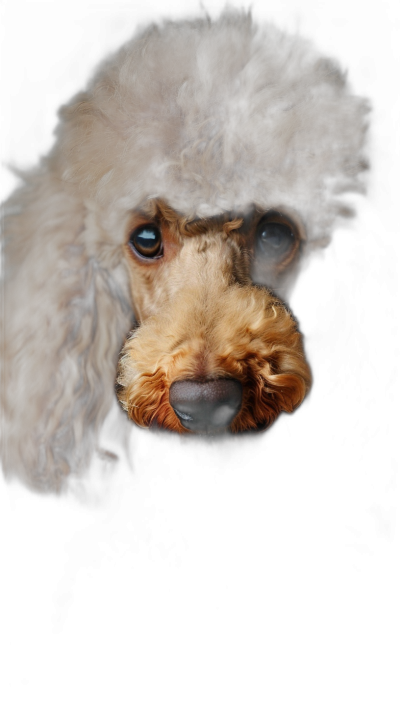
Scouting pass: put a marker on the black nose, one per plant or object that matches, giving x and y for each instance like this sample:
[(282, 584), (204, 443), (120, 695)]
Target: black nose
[(206, 406)]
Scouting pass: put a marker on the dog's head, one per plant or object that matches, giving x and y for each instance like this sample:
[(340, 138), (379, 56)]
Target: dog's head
[(185, 185), (220, 154)]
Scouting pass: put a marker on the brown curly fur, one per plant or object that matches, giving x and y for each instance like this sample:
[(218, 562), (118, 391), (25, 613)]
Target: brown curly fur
[(222, 137)]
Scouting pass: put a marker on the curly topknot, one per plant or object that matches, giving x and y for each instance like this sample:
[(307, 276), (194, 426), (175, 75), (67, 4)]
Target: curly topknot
[(218, 114)]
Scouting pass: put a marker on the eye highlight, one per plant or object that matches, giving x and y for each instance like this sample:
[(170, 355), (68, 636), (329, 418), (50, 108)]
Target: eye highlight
[(146, 241), (273, 239)]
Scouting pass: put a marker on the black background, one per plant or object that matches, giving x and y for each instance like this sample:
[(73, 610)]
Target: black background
[(297, 526)]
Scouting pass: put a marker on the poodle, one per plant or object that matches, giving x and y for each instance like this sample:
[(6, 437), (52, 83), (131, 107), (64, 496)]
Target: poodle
[(149, 255)]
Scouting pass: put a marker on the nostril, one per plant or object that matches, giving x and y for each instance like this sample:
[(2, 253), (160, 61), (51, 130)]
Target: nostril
[(184, 409)]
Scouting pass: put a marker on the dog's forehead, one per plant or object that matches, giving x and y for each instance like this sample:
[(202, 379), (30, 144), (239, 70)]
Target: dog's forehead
[(225, 224), (234, 219), (213, 129), (160, 209), (123, 217)]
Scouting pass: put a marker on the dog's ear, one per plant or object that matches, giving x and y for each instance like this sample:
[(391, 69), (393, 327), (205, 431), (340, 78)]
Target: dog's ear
[(66, 312)]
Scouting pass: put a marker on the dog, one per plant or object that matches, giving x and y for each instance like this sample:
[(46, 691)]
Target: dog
[(184, 189)]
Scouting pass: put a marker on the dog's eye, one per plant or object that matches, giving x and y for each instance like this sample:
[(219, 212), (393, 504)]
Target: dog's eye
[(273, 239), (146, 241)]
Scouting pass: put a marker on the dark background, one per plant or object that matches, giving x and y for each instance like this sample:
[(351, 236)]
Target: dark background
[(295, 528)]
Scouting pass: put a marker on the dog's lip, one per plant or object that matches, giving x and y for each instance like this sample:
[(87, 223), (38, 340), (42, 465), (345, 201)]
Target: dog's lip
[(215, 438), (215, 435), (208, 437), (200, 428), (208, 433), (204, 435)]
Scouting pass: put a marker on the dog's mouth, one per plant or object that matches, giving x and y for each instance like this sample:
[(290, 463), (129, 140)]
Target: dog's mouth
[(192, 439), (208, 437)]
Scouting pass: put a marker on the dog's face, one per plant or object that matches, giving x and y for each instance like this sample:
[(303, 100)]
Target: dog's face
[(214, 349), (213, 132)]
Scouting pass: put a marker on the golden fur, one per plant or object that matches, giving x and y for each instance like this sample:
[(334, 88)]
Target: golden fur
[(204, 127)]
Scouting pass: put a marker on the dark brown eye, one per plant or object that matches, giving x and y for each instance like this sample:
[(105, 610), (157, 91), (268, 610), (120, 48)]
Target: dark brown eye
[(146, 241), (273, 239)]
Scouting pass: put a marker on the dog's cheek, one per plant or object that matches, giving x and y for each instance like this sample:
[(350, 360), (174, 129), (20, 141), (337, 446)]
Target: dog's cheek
[(145, 398), (273, 370)]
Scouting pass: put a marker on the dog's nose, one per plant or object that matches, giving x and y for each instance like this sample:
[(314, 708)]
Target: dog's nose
[(206, 407)]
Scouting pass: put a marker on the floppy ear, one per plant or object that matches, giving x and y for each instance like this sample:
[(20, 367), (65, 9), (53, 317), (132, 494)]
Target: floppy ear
[(66, 312)]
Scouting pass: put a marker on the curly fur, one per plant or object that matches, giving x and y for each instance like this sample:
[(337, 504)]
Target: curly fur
[(209, 319), (212, 117)]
